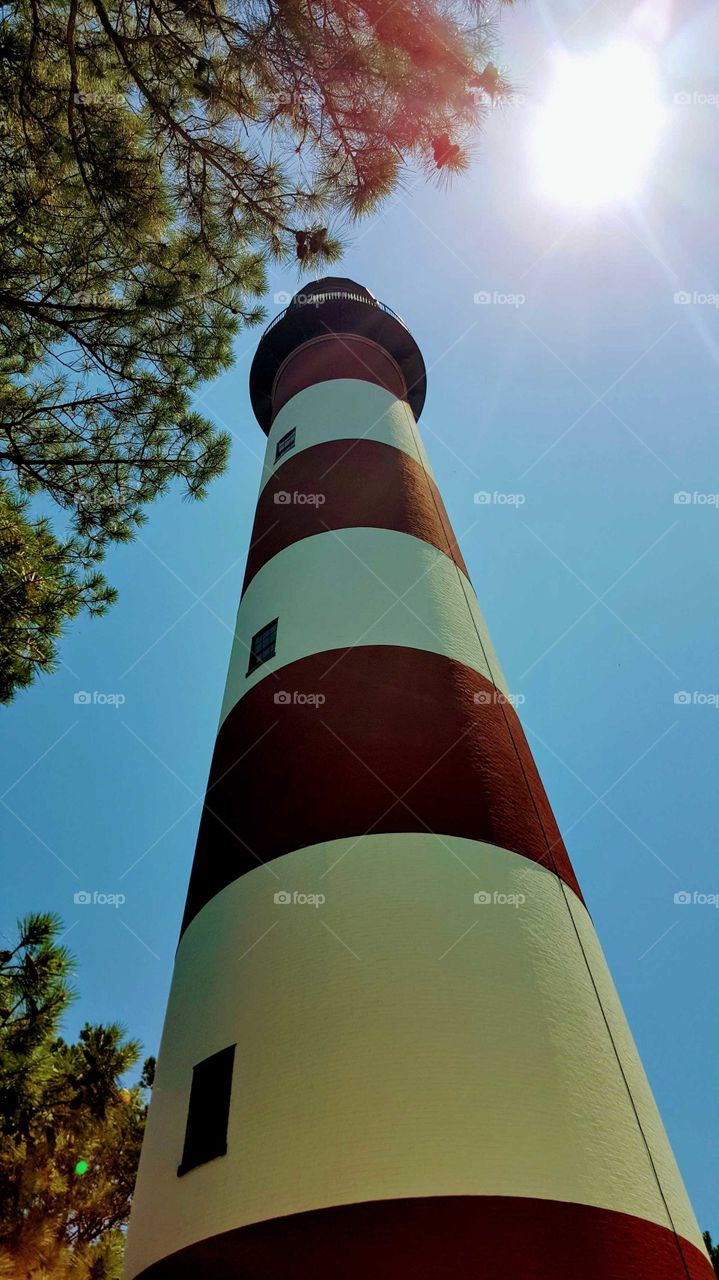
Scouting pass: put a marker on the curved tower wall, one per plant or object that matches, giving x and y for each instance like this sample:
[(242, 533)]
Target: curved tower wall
[(431, 1072)]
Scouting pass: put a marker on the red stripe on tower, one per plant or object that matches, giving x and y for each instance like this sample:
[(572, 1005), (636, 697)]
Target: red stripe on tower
[(331, 356), (392, 1044), (320, 489), (497, 1239), (403, 740)]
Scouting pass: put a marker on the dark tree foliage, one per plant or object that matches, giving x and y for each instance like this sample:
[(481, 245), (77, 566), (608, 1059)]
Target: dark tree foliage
[(713, 1251), (154, 154), (70, 1134), (39, 591)]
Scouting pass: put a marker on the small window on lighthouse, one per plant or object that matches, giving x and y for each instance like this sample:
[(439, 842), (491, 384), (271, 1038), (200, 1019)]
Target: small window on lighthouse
[(285, 443), (209, 1110), (263, 646)]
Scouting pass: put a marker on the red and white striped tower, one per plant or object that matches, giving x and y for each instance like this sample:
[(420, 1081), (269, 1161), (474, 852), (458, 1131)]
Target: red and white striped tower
[(393, 1047)]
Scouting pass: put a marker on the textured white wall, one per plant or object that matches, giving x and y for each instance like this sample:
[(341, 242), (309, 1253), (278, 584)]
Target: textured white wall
[(344, 409), (426, 1046), (359, 587)]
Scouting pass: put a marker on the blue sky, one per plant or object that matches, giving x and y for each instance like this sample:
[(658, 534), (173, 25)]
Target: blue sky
[(595, 401)]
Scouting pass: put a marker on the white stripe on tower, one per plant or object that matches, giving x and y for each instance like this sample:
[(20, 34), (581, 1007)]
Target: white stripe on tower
[(432, 1074), (344, 1097), (359, 586), (334, 411)]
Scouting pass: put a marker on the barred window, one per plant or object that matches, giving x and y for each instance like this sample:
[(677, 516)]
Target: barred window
[(285, 443), (263, 646)]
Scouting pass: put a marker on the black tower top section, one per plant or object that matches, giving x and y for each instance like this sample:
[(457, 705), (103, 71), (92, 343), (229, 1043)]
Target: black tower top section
[(333, 305)]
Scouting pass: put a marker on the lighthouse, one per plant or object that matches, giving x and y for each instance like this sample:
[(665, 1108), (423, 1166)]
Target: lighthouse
[(392, 1046)]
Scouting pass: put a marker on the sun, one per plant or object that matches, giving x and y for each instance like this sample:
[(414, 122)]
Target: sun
[(598, 130)]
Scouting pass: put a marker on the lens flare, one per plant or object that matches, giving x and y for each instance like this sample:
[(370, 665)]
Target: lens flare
[(599, 128)]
